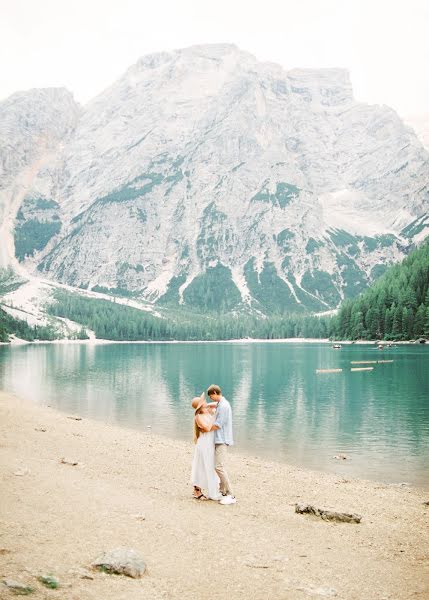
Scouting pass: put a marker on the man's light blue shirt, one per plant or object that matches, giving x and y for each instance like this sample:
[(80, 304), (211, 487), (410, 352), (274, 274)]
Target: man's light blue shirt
[(223, 419)]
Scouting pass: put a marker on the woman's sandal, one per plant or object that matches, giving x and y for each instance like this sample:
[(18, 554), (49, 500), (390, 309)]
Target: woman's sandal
[(201, 497)]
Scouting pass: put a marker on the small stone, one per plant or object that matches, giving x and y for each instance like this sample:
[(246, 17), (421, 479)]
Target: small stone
[(4, 551), (326, 591), (82, 573), (40, 429), (21, 472), (73, 463), (312, 590), (75, 418), (123, 561), (256, 564), (49, 581), (20, 588), (140, 517)]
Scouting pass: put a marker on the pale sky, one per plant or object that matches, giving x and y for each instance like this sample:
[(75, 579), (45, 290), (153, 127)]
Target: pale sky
[(85, 45)]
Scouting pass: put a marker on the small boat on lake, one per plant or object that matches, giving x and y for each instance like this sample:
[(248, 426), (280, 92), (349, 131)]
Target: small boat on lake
[(337, 346)]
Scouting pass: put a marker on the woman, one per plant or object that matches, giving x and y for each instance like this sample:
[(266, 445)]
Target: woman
[(203, 464)]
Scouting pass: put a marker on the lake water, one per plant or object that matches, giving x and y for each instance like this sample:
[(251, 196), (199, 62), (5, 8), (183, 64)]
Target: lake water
[(282, 409)]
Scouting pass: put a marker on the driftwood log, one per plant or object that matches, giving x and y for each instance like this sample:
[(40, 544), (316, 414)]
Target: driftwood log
[(327, 515)]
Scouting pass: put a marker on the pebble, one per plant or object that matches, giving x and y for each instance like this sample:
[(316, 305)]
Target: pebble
[(21, 472), (256, 564), (82, 573), (65, 461), (49, 581), (17, 585), (312, 590), (123, 561)]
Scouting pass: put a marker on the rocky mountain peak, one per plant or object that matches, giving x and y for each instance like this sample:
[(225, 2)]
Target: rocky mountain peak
[(324, 87), (207, 178)]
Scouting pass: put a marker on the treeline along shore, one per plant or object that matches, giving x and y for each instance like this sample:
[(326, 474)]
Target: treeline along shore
[(395, 307)]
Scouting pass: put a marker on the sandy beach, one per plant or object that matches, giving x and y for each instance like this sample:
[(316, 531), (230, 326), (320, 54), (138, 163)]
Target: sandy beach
[(131, 489)]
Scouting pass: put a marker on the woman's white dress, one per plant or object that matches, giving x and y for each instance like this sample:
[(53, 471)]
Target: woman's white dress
[(203, 464)]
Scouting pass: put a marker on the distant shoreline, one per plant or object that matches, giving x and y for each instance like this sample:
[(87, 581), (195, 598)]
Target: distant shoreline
[(99, 341)]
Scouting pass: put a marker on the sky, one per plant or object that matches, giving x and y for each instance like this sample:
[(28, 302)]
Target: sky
[(85, 45)]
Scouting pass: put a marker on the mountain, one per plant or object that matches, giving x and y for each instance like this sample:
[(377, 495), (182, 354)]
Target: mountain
[(420, 124), (208, 179)]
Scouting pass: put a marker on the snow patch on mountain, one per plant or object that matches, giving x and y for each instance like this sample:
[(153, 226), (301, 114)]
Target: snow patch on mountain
[(240, 281), (344, 209)]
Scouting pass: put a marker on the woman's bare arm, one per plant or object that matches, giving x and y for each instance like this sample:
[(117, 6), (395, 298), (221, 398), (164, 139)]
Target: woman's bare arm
[(202, 424)]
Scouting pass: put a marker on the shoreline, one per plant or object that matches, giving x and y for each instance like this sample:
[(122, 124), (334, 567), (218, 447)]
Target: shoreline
[(242, 451), (99, 341), (131, 488)]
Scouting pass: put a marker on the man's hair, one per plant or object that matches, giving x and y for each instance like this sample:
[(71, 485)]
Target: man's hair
[(214, 389)]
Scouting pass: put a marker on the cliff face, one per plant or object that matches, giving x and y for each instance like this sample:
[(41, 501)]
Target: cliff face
[(204, 177), (33, 127)]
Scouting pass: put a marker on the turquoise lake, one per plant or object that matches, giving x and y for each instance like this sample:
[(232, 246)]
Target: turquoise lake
[(282, 408)]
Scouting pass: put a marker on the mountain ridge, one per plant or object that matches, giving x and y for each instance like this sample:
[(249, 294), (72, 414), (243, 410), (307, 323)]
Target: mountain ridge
[(203, 168)]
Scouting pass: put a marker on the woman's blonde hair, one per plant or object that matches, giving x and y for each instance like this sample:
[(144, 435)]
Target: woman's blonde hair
[(197, 430)]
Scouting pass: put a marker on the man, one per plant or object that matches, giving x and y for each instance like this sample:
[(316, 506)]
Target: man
[(223, 438)]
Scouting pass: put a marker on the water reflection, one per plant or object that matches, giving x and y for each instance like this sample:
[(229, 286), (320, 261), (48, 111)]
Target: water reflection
[(282, 409)]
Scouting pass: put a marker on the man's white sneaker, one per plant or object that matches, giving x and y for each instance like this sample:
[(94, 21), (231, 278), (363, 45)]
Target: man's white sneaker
[(228, 500)]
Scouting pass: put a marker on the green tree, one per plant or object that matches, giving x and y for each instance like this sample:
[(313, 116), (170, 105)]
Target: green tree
[(426, 323), (419, 321)]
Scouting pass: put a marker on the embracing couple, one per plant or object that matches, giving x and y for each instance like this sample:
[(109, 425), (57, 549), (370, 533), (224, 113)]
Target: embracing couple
[(212, 436)]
